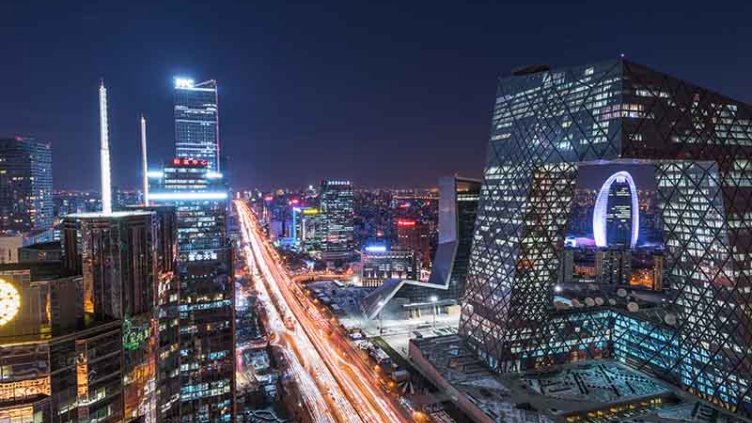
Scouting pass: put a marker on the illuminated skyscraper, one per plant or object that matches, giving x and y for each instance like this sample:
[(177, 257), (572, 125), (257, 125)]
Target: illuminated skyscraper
[(616, 218), (336, 206), (118, 261), (168, 314), (689, 324), (25, 184), (197, 121), (205, 271)]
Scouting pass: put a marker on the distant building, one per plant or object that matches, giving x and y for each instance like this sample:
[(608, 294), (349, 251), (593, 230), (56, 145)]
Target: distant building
[(336, 206), (613, 266), (415, 235), (197, 121), (25, 184), (69, 202), (379, 264), (458, 205), (311, 230)]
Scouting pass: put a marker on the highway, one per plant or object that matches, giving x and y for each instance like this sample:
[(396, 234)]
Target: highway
[(337, 384)]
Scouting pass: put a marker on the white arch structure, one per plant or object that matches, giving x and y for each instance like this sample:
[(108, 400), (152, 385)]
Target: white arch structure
[(601, 209)]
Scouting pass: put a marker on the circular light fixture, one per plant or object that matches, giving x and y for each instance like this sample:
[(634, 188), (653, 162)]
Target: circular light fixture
[(10, 302)]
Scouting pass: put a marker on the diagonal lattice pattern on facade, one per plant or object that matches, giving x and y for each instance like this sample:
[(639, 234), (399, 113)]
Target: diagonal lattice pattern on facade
[(546, 126)]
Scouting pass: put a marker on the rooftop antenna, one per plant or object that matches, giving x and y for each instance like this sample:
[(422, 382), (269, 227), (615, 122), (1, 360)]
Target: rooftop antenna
[(144, 162), (104, 153)]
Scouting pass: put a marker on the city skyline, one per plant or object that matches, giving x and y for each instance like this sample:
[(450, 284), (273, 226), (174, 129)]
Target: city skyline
[(274, 108), (280, 249)]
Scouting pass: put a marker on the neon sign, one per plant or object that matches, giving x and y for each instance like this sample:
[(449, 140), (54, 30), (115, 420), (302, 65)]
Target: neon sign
[(405, 222)]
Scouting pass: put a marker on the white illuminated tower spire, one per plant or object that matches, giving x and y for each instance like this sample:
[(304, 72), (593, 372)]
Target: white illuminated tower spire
[(104, 155), (144, 164)]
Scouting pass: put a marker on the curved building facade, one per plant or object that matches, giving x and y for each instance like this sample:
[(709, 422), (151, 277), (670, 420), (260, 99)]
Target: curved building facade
[(691, 326), (616, 217)]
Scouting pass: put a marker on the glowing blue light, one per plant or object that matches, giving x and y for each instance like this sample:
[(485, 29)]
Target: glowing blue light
[(376, 248), (213, 175), (154, 174), (177, 196), (601, 209)]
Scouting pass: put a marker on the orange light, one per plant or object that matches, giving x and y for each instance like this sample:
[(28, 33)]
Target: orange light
[(405, 222)]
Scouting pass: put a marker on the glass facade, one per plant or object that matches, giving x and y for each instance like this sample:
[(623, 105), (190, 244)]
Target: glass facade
[(206, 289), (458, 207), (53, 366), (690, 325), (197, 121), (25, 184), (118, 253), (336, 207)]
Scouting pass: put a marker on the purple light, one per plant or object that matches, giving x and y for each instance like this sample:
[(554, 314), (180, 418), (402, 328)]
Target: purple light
[(376, 248)]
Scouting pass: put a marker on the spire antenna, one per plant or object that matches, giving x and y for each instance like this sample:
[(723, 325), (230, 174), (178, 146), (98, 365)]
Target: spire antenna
[(144, 161), (104, 152)]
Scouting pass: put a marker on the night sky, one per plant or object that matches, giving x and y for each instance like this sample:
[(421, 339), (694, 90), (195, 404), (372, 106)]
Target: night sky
[(385, 94)]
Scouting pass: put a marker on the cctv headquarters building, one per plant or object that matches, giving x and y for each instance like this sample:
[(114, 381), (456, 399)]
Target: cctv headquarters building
[(615, 223)]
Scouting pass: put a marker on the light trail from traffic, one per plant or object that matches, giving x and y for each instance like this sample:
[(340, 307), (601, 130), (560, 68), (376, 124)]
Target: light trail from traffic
[(299, 353), (350, 383)]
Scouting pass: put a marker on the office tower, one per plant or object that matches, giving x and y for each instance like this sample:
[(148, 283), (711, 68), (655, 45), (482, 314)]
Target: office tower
[(205, 271), (25, 184), (556, 131), (116, 253), (415, 235), (197, 121), (311, 230), (118, 261), (616, 218), (336, 206), (168, 314)]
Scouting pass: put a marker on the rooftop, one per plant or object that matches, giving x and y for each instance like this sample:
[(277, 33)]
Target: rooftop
[(591, 391), (51, 245)]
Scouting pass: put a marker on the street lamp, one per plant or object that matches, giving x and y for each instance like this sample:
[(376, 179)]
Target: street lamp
[(433, 306)]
